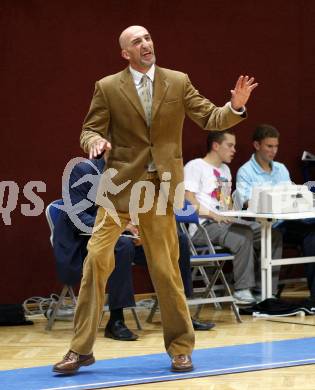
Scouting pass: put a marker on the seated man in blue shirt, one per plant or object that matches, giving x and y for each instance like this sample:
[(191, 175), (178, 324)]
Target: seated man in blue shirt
[(70, 249), (262, 169)]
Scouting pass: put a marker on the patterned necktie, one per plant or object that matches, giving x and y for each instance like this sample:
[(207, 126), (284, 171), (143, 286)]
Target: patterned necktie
[(145, 97)]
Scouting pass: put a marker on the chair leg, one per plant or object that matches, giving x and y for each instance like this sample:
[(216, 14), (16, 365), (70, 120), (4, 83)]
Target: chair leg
[(135, 316), (133, 310), (207, 283), (103, 311), (209, 290), (236, 312), (72, 296), (229, 292), (153, 310), (56, 307)]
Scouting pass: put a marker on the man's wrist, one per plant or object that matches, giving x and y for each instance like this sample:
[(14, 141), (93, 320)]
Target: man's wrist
[(238, 111)]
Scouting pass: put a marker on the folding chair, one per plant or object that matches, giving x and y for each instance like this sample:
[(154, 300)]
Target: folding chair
[(201, 258), (52, 214)]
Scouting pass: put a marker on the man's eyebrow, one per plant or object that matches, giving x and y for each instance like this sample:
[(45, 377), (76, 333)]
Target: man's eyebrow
[(137, 39)]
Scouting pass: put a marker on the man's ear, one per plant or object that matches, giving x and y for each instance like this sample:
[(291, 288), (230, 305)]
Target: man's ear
[(256, 145), (125, 54), (215, 146)]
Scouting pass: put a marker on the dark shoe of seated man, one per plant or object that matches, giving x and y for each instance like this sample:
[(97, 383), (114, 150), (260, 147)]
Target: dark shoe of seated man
[(72, 361), (202, 325), (116, 328)]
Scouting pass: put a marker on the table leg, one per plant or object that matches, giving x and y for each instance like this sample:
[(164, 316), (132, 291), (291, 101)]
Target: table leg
[(269, 258), (263, 265)]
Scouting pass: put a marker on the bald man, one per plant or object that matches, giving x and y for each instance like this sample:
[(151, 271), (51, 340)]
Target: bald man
[(138, 115)]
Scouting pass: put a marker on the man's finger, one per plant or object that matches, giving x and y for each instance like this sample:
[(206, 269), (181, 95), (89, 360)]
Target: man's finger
[(91, 154), (99, 147), (108, 145), (250, 81), (243, 82), (253, 86), (239, 82)]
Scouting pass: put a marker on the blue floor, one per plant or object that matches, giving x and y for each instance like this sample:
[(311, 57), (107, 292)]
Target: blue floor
[(155, 368)]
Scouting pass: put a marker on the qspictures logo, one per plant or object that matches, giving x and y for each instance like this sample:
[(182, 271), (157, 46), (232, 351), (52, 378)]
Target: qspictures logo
[(94, 186)]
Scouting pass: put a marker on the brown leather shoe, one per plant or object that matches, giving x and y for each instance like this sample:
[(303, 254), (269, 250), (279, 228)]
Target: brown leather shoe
[(72, 361), (181, 363)]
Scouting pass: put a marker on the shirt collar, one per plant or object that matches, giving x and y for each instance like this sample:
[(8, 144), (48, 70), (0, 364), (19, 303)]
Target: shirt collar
[(259, 169), (137, 76)]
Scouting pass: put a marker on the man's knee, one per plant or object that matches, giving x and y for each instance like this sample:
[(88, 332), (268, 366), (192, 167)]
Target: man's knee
[(162, 273), (243, 238), (125, 245), (97, 261), (247, 232)]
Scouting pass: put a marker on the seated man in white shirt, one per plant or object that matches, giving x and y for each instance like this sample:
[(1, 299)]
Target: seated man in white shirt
[(207, 185), (262, 169)]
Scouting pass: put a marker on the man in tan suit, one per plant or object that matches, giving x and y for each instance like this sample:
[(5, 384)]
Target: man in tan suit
[(138, 115)]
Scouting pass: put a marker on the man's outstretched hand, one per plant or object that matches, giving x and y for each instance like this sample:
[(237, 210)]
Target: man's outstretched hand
[(98, 147), (241, 92)]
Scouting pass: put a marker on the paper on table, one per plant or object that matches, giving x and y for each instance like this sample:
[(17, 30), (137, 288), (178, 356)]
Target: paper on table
[(122, 235), (307, 156), (134, 237)]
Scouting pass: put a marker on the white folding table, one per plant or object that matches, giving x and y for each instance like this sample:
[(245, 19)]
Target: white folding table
[(266, 221)]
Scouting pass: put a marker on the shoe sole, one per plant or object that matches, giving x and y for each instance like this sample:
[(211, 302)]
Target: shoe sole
[(204, 329), (111, 336), (173, 369), (244, 302), (88, 362)]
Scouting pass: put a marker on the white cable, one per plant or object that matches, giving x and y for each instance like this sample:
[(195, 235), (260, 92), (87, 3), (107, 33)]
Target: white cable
[(42, 306)]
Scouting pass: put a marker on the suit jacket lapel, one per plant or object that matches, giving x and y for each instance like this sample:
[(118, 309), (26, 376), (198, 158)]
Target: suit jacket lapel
[(128, 88), (159, 90)]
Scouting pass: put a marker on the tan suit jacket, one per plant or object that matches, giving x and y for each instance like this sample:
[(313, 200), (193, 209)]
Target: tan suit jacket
[(116, 114)]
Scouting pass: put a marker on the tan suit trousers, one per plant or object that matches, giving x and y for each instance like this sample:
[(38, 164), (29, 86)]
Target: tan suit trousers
[(160, 242)]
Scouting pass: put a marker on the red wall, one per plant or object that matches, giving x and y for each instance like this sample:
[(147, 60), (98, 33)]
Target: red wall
[(52, 52)]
